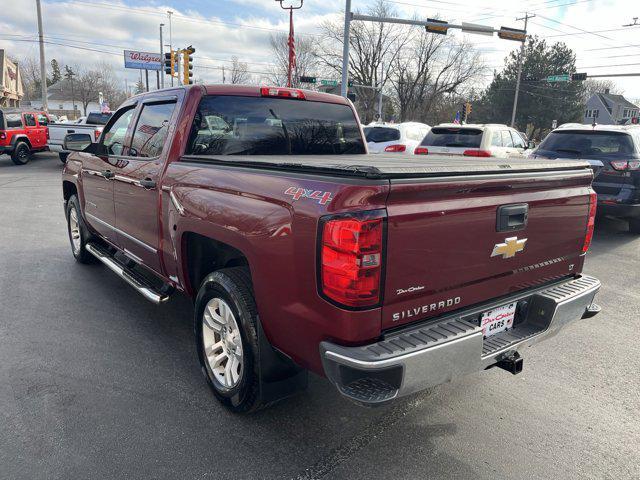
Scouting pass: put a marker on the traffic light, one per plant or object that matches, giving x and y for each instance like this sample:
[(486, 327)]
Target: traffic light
[(170, 63), (578, 77), (466, 110), (437, 26), (308, 79), (507, 33), (187, 60)]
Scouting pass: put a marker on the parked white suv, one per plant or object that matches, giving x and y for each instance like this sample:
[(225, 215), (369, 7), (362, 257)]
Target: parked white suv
[(474, 140), (395, 137)]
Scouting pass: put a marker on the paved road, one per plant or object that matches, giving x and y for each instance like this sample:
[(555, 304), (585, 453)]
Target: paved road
[(95, 382)]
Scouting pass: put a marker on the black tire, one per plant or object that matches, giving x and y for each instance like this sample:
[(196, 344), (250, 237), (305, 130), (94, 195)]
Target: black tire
[(233, 285), (63, 156), (80, 254), (21, 153), (634, 225)]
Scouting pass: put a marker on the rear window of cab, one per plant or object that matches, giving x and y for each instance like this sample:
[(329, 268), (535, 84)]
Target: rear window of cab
[(234, 125)]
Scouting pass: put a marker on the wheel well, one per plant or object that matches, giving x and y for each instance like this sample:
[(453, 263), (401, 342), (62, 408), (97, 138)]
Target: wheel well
[(22, 139), (68, 189), (204, 255)]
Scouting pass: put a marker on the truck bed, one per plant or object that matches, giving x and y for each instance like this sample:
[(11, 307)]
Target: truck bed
[(389, 166)]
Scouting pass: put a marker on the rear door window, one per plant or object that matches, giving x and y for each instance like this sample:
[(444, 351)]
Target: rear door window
[(496, 138), (588, 143), (453, 137), (151, 130), (29, 120), (232, 125)]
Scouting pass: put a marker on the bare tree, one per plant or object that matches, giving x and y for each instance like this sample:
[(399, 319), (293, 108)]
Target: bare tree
[(305, 59), (30, 74), (239, 71), (372, 48), (592, 86), (430, 67)]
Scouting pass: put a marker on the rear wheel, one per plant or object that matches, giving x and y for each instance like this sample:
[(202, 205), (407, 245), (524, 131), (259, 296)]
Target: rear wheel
[(21, 153), (226, 332), (634, 225)]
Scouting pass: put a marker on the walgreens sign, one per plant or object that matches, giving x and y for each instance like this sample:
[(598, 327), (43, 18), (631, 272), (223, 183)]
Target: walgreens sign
[(142, 60)]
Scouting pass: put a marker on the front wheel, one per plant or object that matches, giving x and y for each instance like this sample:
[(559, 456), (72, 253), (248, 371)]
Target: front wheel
[(78, 233), (227, 339), (634, 225), (63, 156), (21, 153)]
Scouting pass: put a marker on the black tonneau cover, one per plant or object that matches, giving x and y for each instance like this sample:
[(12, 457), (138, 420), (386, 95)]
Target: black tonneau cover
[(389, 166)]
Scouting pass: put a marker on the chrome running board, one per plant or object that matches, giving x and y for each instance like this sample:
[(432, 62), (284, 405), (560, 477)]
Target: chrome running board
[(129, 276)]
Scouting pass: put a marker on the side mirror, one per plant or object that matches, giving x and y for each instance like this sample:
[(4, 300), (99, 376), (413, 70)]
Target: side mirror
[(531, 144), (76, 142)]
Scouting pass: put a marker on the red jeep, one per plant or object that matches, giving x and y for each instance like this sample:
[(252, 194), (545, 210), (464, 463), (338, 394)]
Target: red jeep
[(23, 132)]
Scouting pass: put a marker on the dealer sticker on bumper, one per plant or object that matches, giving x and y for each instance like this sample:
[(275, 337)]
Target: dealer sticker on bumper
[(497, 320)]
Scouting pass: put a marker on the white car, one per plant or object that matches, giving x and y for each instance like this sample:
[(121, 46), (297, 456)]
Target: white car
[(474, 140), (395, 137)]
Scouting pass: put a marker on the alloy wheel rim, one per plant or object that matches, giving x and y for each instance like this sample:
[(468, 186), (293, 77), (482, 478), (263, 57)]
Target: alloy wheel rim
[(222, 343), (74, 231)]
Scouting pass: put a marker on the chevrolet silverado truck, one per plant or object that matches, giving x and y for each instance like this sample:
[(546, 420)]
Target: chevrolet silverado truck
[(303, 253)]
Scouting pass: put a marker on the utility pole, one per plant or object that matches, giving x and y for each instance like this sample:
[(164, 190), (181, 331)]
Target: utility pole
[(169, 12), (43, 67), (345, 48), (520, 62), (380, 91), (161, 55)]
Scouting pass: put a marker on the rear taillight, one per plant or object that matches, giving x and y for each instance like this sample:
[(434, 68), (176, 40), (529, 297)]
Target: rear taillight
[(47, 133), (350, 258), (395, 148), (622, 165), (477, 153), (421, 151), (96, 134), (282, 92), (593, 205)]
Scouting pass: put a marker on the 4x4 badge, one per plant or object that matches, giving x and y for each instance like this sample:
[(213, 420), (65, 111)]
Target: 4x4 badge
[(509, 248)]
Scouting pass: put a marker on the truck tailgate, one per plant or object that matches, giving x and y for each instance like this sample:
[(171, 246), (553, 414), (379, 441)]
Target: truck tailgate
[(442, 232)]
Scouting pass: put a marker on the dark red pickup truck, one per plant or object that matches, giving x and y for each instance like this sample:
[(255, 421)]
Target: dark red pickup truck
[(302, 252)]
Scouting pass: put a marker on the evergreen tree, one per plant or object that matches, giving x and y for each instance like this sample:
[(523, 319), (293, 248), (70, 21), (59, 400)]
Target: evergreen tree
[(56, 76), (539, 102)]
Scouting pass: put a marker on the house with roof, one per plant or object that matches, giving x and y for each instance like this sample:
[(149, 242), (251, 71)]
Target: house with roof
[(609, 109), (64, 99)]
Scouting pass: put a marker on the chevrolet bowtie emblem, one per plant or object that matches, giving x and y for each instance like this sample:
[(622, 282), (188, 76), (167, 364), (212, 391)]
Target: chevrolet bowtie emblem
[(509, 248)]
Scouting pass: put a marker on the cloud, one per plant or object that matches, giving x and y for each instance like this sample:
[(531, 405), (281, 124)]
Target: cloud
[(82, 34)]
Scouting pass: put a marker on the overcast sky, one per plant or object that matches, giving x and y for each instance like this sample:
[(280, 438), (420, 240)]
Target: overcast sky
[(84, 31)]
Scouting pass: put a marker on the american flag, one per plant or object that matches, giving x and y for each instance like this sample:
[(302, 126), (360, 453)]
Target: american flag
[(292, 46), (149, 129), (457, 119)]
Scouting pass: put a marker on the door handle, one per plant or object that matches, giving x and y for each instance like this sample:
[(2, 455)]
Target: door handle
[(148, 183), (108, 174), (512, 217)]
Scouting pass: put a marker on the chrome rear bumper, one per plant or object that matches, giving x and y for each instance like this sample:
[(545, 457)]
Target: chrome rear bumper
[(433, 353)]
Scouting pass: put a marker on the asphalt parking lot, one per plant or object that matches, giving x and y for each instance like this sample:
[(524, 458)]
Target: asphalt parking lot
[(95, 382)]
